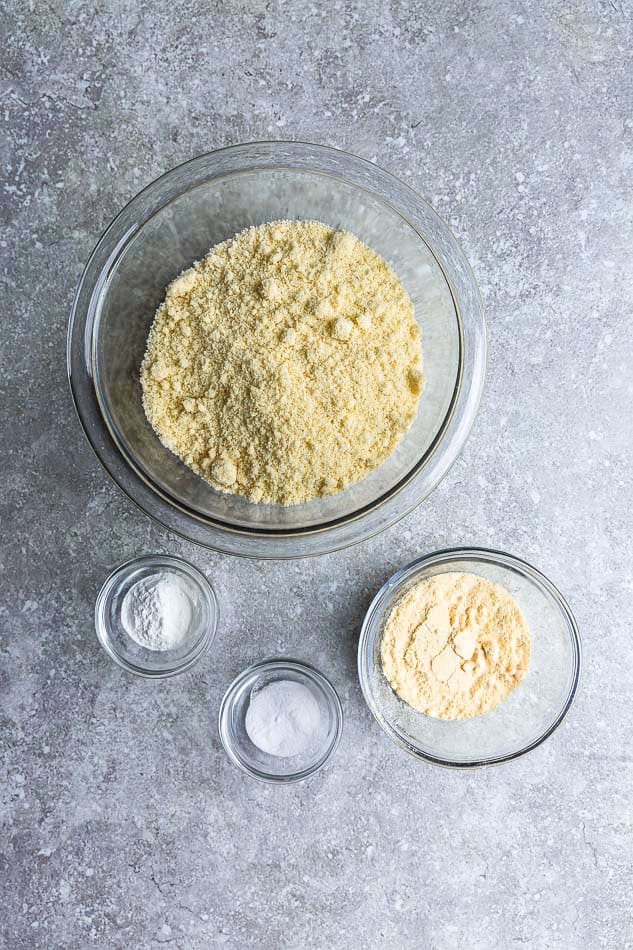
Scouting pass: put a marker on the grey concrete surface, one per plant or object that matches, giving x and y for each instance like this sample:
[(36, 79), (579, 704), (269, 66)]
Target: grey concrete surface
[(123, 823)]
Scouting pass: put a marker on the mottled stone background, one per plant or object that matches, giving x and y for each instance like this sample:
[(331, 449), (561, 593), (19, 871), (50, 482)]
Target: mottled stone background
[(123, 823)]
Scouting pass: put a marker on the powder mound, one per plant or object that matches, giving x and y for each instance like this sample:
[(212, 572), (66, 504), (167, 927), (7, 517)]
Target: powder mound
[(283, 719), (157, 612), (285, 365), (455, 646)]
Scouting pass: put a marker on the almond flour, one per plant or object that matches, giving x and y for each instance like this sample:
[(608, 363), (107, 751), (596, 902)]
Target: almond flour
[(455, 646), (285, 365)]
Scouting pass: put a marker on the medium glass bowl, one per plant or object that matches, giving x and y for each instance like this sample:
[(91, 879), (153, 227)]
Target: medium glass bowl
[(531, 712), (251, 759), (173, 223), (134, 657)]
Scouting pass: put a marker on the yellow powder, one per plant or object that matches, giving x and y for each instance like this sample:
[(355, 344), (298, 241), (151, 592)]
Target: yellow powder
[(285, 365), (455, 646)]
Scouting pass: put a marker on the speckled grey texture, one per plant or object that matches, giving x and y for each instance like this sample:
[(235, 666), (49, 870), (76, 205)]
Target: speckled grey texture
[(123, 823)]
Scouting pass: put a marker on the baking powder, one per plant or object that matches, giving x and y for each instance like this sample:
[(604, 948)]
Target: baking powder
[(157, 611)]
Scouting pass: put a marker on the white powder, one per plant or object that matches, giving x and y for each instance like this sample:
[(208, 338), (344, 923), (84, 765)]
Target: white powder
[(283, 718), (157, 611)]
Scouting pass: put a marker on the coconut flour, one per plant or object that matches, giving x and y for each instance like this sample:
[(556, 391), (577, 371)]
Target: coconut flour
[(455, 646)]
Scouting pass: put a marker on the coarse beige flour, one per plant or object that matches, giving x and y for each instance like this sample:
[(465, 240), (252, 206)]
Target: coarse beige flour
[(285, 365), (455, 646)]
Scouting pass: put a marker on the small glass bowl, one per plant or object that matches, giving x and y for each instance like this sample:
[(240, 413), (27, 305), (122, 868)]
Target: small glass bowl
[(531, 712), (246, 755), (131, 655)]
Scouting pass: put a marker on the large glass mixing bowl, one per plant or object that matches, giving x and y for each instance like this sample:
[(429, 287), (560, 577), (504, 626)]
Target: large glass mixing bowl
[(173, 222)]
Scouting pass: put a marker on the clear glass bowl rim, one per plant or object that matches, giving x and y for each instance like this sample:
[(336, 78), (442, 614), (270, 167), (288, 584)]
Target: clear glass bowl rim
[(385, 596), (279, 663), (203, 644), (387, 510)]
